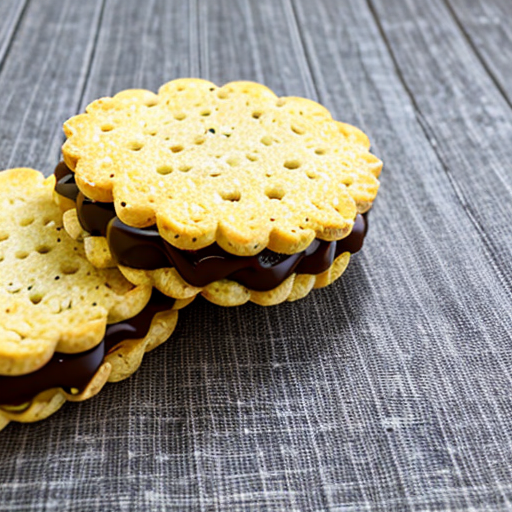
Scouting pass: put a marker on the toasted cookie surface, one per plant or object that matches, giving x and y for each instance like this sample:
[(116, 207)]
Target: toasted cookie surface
[(234, 165), (51, 297)]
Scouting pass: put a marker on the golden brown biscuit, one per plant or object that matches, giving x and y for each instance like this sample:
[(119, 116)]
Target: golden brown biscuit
[(235, 165)]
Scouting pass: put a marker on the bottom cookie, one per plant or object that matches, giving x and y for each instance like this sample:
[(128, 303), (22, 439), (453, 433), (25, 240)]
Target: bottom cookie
[(229, 293), (78, 377), (222, 292)]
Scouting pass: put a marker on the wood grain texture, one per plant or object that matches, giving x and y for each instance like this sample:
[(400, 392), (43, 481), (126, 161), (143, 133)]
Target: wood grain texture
[(466, 118), (11, 12), (389, 390), (421, 215), (488, 29), (256, 41), (42, 79), (143, 45)]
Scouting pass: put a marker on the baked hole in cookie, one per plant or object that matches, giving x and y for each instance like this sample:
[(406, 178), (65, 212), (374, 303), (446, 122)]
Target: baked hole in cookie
[(164, 169), (36, 297), (233, 161), (43, 249), (275, 193), (135, 145), (180, 116), (26, 221), (292, 164), (107, 127), (69, 268), (233, 195), (177, 149), (21, 255), (298, 130)]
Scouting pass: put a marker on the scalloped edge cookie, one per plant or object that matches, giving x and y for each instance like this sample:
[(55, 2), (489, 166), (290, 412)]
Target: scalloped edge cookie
[(230, 293), (235, 165)]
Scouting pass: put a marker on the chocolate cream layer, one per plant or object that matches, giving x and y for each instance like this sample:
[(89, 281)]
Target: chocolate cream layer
[(76, 370), (146, 249)]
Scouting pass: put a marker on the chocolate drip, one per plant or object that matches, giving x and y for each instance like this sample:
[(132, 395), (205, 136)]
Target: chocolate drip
[(65, 182), (93, 215), (76, 370), (146, 249)]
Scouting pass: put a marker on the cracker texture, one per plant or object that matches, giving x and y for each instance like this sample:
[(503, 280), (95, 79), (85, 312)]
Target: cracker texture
[(234, 165), (51, 297)]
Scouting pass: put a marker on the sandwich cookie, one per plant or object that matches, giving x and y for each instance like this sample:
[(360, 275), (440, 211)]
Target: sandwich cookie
[(65, 326), (228, 191)]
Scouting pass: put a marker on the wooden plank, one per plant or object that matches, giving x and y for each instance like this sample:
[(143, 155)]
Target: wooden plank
[(143, 45), (462, 112), (256, 41), (11, 12), (488, 29), (424, 254), (42, 80)]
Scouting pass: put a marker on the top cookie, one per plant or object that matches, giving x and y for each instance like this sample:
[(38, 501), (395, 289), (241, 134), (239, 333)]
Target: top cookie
[(234, 165), (51, 297)]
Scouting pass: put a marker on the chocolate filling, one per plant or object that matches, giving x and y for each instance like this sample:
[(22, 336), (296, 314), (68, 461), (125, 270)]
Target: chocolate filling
[(76, 370), (146, 249)]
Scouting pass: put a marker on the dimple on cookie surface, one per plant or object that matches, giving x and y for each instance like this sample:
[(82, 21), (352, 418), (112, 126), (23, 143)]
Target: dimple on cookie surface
[(234, 165), (51, 297)]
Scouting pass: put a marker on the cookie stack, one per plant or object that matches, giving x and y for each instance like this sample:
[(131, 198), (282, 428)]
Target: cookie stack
[(229, 192)]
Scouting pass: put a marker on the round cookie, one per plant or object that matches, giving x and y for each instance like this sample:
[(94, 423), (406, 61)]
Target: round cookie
[(234, 165)]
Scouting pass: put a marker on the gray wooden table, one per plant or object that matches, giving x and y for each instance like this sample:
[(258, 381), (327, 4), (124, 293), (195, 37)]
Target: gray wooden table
[(390, 390)]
